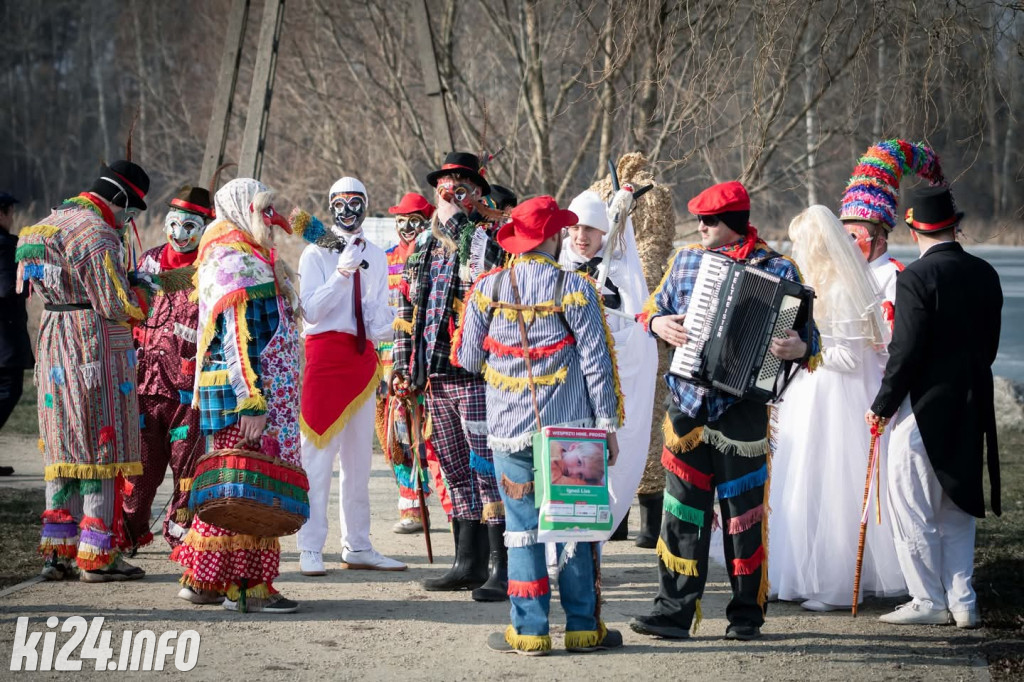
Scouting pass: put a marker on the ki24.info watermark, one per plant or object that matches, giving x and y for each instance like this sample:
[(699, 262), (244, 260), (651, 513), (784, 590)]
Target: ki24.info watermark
[(89, 641)]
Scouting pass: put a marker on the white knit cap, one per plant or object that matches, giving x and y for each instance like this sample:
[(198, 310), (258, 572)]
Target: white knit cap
[(346, 185), (591, 210)]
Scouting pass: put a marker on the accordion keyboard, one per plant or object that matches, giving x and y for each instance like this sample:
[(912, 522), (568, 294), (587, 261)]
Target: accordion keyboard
[(700, 314)]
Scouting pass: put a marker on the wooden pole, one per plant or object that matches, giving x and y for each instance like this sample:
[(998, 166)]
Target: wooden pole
[(250, 163), (872, 459), (227, 78)]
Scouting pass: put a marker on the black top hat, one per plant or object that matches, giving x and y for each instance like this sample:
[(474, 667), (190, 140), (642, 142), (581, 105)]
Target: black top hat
[(503, 197), (464, 164), (932, 209), (193, 200), (122, 178), (6, 201)]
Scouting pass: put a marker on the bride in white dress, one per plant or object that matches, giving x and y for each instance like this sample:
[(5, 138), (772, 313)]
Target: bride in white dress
[(821, 451)]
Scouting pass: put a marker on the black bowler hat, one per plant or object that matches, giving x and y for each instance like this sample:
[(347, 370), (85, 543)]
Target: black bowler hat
[(193, 200), (122, 178), (464, 164), (6, 201), (932, 209), (503, 197)]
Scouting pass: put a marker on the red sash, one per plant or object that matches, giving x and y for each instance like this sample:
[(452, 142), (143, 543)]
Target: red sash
[(336, 382)]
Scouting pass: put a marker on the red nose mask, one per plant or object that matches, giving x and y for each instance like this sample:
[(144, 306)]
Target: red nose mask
[(272, 217)]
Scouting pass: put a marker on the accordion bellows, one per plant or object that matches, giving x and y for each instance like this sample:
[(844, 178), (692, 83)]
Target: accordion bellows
[(250, 493)]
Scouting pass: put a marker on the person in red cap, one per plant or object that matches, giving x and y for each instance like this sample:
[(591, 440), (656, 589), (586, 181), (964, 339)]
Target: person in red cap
[(941, 385), (88, 405), (167, 366), (715, 442), (568, 358), (412, 216), (437, 278)]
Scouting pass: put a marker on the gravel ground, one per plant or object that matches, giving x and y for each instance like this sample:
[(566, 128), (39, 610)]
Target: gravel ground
[(382, 626)]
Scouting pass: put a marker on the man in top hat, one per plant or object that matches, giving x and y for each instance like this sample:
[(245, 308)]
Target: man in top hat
[(940, 382), (165, 373), (714, 442), (438, 278), (344, 292), (868, 208), (412, 216), (573, 370), (15, 346), (88, 406)]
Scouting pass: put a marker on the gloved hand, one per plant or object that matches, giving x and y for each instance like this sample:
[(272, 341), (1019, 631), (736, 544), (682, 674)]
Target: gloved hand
[(351, 256)]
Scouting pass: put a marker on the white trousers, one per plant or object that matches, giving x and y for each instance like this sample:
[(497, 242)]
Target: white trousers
[(353, 449), (934, 537)]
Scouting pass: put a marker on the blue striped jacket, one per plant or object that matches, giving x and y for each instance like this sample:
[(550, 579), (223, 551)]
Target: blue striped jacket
[(572, 354)]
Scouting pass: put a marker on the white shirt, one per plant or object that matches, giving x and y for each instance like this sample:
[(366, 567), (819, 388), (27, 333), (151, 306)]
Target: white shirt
[(326, 294), (884, 269)]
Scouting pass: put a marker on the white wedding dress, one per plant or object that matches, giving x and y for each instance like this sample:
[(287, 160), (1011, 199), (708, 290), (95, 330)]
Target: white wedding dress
[(817, 481)]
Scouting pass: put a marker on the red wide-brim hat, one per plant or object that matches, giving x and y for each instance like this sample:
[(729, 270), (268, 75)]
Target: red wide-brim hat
[(532, 222), (721, 198), (413, 203)]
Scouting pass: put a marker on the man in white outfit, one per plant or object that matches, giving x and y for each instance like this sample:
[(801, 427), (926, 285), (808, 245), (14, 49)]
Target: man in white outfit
[(344, 295)]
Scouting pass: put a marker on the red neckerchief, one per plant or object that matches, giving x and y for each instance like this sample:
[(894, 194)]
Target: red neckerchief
[(741, 250), (171, 259), (101, 207), (403, 250)]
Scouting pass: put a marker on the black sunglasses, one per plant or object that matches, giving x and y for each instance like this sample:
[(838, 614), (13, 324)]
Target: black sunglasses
[(709, 220)]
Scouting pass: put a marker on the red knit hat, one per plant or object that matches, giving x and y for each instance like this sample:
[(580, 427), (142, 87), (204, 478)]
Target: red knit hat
[(532, 222), (413, 203), (721, 198)]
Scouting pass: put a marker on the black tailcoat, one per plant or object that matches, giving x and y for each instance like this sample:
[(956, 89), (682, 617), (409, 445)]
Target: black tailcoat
[(945, 339)]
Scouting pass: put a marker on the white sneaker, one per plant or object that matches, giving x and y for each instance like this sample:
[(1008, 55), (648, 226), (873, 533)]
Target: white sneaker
[(815, 605), (407, 525), (369, 560), (916, 613), (966, 619), (311, 563), (200, 596)]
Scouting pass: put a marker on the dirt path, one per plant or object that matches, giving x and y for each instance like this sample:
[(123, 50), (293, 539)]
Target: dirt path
[(383, 626)]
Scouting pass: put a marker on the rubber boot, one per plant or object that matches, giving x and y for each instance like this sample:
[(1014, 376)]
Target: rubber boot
[(622, 531), (467, 571), (650, 520), (496, 587)]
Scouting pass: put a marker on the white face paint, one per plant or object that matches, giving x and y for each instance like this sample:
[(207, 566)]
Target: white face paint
[(184, 230)]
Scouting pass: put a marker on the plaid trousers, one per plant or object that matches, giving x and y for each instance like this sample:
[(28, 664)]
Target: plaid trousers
[(458, 415)]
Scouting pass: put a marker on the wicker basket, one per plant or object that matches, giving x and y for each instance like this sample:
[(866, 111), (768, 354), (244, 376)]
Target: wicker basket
[(250, 493)]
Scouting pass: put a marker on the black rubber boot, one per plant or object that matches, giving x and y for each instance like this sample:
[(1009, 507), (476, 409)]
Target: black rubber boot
[(496, 587), (622, 531), (467, 571), (650, 520)]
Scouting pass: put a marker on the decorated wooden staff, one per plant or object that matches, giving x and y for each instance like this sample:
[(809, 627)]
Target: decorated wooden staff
[(874, 468), (414, 428)]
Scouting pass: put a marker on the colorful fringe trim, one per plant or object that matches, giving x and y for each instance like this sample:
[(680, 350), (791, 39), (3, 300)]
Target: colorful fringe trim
[(698, 616), (728, 446), (527, 642), (29, 252), (683, 512), (750, 564), (400, 325), (680, 444), (529, 589), (178, 433), (132, 310), (231, 543), (66, 548), (684, 471), (45, 231), (492, 510), (520, 538), (73, 470), (742, 484), (519, 384), (744, 521), (674, 563), (584, 639), (516, 491), (495, 347), (184, 484), (478, 463), (322, 440)]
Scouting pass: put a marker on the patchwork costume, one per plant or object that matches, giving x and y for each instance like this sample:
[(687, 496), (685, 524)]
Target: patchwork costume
[(714, 443), (85, 373), (437, 279), (166, 371), (577, 384), (345, 310), (248, 362)]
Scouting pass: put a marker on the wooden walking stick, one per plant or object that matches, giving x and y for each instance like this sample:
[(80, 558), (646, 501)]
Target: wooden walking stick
[(415, 429), (873, 469)]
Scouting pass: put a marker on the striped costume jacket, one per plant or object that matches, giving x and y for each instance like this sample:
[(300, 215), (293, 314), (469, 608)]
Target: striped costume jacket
[(571, 352)]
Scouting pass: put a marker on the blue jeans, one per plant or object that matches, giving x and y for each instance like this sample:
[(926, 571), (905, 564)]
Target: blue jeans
[(528, 587)]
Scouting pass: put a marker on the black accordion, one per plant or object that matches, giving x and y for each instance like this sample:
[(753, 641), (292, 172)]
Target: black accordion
[(735, 311)]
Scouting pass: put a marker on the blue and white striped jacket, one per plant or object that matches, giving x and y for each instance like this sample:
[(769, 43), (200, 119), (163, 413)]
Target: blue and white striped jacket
[(572, 354)]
